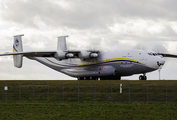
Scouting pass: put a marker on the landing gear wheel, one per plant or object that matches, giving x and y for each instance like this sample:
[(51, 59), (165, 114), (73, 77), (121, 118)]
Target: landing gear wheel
[(80, 78), (94, 78), (141, 77)]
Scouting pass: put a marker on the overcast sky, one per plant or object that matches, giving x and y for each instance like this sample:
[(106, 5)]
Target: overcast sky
[(90, 24)]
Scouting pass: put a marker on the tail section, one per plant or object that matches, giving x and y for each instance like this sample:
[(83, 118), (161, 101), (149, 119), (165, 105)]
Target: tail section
[(62, 43), (18, 47)]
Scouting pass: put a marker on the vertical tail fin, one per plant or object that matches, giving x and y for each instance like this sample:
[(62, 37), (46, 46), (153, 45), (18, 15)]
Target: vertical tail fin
[(62, 43), (18, 47)]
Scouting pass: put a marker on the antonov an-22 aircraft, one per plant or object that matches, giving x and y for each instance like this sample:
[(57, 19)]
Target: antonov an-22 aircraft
[(91, 64)]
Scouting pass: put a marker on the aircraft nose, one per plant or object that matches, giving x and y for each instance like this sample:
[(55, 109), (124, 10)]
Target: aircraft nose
[(160, 62)]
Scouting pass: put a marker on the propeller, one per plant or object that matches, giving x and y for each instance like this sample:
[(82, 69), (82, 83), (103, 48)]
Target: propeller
[(140, 47), (70, 59), (94, 58), (159, 49)]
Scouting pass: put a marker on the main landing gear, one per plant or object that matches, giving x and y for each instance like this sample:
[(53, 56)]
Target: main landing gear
[(113, 77), (143, 77), (87, 78)]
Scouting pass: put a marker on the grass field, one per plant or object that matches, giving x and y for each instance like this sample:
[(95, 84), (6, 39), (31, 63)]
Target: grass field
[(87, 110), (39, 102), (84, 91)]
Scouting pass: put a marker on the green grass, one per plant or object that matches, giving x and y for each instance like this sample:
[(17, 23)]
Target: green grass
[(38, 107), (138, 91), (87, 110)]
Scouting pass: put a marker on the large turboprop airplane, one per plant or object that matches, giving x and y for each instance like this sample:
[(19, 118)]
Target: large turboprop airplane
[(91, 64)]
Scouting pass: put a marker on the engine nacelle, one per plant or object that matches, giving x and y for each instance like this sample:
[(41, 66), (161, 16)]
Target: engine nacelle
[(94, 55), (63, 55), (69, 55), (86, 55)]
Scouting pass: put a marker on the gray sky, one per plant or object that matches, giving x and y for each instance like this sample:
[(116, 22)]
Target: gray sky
[(91, 24)]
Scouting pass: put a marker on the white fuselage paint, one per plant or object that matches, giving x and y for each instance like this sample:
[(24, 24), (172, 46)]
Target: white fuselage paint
[(126, 62)]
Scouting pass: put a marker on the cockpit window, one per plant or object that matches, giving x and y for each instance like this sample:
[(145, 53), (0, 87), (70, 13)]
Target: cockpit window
[(153, 54)]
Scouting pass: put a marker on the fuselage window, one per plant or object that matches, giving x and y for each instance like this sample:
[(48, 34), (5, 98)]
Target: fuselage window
[(153, 54)]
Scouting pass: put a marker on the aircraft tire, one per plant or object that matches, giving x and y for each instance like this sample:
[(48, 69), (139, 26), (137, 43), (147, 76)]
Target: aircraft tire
[(94, 78), (118, 78), (80, 78), (115, 77), (102, 78), (141, 77)]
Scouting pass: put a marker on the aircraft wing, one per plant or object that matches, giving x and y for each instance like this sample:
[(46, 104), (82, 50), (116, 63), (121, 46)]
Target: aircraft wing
[(38, 53), (32, 54), (72, 51), (168, 55), (57, 54)]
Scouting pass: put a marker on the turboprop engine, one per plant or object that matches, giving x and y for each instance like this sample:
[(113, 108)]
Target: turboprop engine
[(83, 55), (63, 55)]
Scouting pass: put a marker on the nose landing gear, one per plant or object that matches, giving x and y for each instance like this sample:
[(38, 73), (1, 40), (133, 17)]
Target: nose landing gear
[(143, 77)]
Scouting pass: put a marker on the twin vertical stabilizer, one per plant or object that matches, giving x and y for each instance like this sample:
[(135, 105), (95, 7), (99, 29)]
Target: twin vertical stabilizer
[(18, 47), (62, 43)]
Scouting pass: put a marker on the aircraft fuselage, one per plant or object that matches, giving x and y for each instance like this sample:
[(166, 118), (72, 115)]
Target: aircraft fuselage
[(108, 63)]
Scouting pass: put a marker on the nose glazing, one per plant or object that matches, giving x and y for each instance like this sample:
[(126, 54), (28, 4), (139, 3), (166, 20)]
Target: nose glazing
[(160, 62)]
